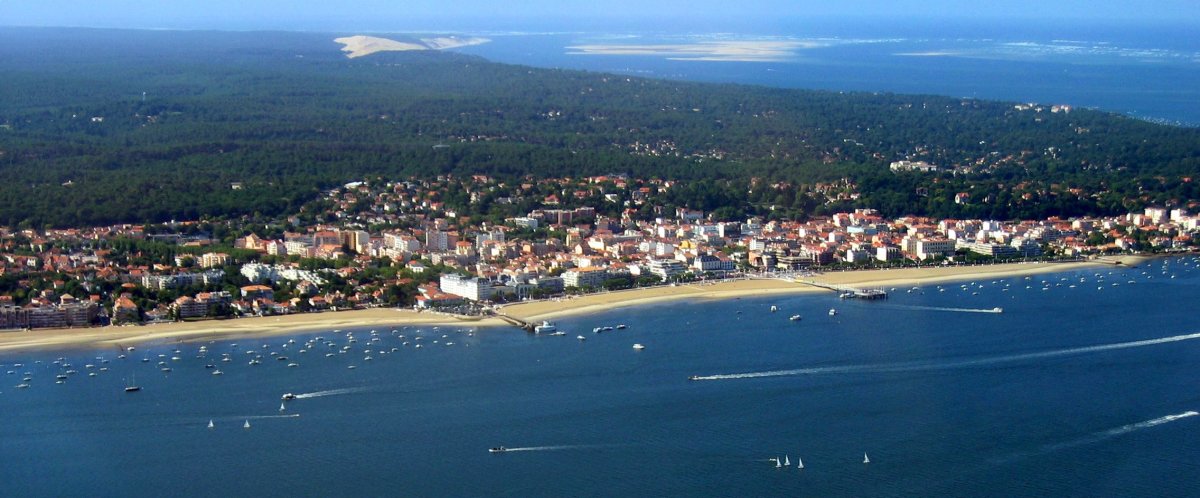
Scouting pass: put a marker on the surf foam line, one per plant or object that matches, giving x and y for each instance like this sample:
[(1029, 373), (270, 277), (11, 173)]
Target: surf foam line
[(1120, 431), (331, 392), (923, 366)]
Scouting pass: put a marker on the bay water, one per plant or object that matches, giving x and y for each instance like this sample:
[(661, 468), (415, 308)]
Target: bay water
[(1084, 385)]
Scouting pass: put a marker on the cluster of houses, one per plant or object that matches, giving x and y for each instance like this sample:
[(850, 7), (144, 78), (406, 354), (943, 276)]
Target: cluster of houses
[(516, 259)]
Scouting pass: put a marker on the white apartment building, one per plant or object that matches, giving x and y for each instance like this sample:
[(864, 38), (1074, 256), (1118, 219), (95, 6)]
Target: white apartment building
[(473, 288), (589, 276)]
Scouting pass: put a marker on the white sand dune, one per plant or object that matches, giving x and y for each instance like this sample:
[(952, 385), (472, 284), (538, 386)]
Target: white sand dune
[(362, 45)]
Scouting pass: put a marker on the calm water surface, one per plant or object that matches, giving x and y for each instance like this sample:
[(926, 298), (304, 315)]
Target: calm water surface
[(1085, 385)]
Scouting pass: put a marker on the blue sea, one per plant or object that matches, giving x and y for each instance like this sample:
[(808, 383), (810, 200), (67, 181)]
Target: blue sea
[(1146, 71), (1085, 385)]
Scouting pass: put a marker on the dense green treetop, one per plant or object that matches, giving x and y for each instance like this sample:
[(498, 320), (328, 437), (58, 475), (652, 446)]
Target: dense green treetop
[(286, 115)]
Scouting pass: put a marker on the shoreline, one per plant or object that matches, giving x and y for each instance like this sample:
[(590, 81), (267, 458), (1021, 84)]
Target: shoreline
[(255, 327), (761, 287), (241, 328)]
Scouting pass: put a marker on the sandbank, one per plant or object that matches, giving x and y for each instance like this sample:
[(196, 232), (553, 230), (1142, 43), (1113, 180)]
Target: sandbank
[(718, 51)]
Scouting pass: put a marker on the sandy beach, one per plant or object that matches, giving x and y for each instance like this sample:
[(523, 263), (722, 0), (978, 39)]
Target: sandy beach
[(757, 287), (41, 339), (121, 336)]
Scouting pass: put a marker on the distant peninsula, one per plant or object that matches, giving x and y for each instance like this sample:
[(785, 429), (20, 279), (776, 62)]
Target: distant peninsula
[(362, 45)]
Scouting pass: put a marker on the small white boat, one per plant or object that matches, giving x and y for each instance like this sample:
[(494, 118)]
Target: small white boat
[(210, 423), (545, 327), (621, 326), (832, 311), (498, 449), (582, 338), (795, 318), (246, 425), (282, 406), (799, 463), (866, 459), (778, 462), (639, 347), (787, 462), (218, 372), (774, 308)]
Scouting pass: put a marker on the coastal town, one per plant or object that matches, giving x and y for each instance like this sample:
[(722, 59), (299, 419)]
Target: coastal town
[(440, 244)]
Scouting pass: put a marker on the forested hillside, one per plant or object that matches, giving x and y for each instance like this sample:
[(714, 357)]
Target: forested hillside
[(285, 115)]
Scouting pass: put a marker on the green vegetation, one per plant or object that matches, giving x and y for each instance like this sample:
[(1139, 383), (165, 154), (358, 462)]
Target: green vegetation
[(284, 115)]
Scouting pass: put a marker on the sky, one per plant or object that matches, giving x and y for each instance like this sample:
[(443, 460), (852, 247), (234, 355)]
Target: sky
[(545, 14)]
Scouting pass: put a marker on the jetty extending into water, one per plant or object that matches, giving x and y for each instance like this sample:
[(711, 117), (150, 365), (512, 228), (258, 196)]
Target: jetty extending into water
[(845, 291), (516, 322)]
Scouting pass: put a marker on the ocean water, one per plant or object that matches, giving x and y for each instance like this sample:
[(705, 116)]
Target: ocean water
[(1085, 385), (1151, 72)]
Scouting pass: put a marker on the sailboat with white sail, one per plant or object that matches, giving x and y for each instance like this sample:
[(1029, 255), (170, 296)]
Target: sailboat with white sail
[(132, 386)]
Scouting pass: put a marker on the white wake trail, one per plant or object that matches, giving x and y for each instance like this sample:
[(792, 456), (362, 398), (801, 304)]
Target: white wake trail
[(555, 448), (331, 392), (923, 366), (260, 417), (940, 308), (1122, 430)]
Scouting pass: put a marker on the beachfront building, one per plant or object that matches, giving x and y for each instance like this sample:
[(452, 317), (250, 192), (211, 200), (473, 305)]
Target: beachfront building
[(988, 248), (473, 288), (888, 253), (67, 314), (588, 276), (706, 262), (666, 268), (932, 248), (125, 311), (13, 317)]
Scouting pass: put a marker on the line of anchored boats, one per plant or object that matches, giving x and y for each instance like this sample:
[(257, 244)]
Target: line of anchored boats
[(786, 462)]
